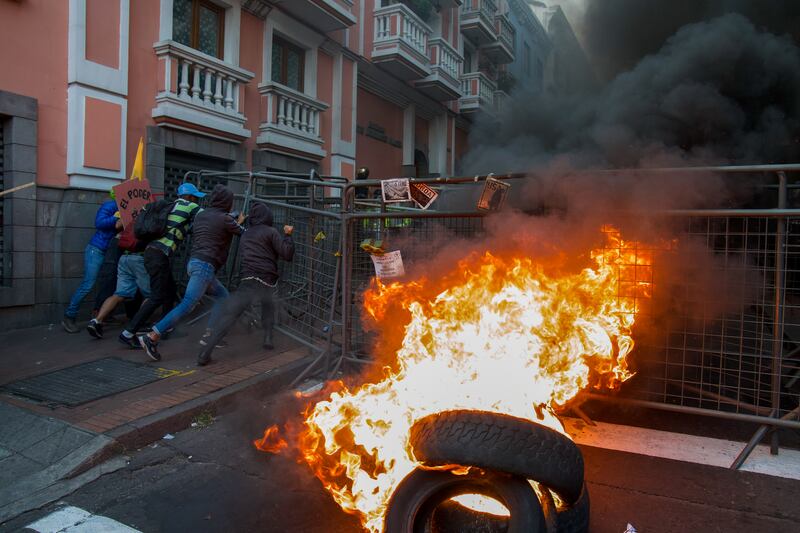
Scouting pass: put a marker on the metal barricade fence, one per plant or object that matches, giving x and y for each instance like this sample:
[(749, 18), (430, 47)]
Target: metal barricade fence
[(419, 235), (734, 354), (716, 351), (740, 360)]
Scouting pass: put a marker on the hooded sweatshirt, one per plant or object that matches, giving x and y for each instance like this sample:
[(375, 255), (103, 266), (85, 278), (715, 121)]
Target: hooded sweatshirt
[(105, 223), (214, 227), (262, 246)]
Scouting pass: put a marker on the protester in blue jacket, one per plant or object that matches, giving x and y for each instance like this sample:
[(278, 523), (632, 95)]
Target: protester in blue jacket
[(107, 225)]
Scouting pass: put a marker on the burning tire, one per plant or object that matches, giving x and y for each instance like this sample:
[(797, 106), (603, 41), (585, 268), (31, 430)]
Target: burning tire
[(413, 505), (501, 443), (575, 519)]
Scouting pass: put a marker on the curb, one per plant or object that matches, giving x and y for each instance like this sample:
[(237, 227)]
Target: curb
[(151, 428)]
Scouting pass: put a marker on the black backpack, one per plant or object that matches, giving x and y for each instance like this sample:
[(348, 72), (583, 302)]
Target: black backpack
[(151, 222)]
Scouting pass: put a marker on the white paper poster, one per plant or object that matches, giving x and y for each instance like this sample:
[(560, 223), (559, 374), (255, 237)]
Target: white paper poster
[(389, 265), (396, 190)]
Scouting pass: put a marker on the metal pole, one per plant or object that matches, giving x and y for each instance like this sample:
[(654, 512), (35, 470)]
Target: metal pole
[(766, 411), (346, 268), (777, 329), (332, 315), (738, 213), (777, 422), (751, 445), (745, 453), (235, 246)]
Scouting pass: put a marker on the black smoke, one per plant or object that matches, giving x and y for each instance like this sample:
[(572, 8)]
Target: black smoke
[(719, 91), (618, 33)]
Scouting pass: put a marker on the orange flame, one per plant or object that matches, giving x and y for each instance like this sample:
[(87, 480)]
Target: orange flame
[(506, 334), (271, 442)]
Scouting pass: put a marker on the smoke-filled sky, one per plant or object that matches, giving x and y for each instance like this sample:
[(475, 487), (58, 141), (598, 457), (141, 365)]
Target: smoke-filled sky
[(694, 81), (618, 33)]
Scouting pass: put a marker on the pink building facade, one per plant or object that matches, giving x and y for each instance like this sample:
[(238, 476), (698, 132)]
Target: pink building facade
[(330, 85)]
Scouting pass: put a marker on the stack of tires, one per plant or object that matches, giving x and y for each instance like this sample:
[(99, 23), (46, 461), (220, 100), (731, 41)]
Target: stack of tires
[(507, 453)]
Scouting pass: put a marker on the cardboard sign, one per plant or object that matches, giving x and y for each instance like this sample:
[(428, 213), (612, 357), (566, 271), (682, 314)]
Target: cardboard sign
[(423, 195), (132, 195), (389, 265), (396, 190), (494, 195)]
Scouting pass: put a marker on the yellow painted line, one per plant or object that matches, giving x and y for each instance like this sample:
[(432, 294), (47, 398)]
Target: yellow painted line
[(168, 373)]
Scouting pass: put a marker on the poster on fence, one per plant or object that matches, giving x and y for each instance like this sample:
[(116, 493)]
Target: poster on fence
[(389, 265), (132, 195), (396, 190), (423, 195), (493, 195)]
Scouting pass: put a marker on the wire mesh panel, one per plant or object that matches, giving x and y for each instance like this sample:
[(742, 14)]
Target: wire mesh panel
[(715, 348), (418, 239), (3, 261), (308, 292)]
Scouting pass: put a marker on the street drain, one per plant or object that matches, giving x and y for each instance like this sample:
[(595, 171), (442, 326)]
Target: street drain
[(86, 382)]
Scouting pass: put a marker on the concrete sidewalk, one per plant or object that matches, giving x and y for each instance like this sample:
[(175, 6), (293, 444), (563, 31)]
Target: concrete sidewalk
[(40, 457), (46, 450)]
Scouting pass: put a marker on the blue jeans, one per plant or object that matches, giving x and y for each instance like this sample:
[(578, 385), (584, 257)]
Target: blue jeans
[(92, 261), (131, 275), (201, 281)]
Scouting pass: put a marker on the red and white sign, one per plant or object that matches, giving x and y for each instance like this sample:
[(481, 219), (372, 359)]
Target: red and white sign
[(423, 195), (132, 196)]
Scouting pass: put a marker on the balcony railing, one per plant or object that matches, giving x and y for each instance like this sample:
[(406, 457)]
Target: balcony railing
[(446, 58), (477, 20), (501, 49), (398, 21), (487, 8), (478, 92), (200, 90), (401, 41), (505, 31), (292, 119), (444, 82), (501, 101)]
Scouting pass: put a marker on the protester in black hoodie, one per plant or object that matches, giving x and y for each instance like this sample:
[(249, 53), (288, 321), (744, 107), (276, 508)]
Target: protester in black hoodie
[(213, 230), (261, 248)]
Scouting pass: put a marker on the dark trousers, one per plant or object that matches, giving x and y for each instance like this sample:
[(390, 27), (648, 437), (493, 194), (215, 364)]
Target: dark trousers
[(162, 287), (248, 293)]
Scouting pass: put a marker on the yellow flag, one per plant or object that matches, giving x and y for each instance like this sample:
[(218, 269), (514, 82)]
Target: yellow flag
[(138, 165)]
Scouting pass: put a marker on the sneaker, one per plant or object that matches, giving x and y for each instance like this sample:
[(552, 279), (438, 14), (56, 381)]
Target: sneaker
[(69, 325), (206, 337), (150, 347), (95, 329), (204, 357), (130, 342)]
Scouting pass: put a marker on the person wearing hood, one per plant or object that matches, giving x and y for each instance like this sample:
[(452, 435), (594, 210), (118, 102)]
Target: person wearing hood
[(261, 247), (213, 230), (106, 224)]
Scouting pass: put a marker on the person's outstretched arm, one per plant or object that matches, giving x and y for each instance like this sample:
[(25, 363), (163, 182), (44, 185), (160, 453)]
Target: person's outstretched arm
[(283, 244)]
